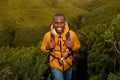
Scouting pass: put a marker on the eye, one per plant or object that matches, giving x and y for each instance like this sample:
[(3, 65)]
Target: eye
[(56, 23)]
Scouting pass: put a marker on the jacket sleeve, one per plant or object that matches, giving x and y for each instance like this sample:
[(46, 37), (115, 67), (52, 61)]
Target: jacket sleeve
[(75, 39), (45, 41)]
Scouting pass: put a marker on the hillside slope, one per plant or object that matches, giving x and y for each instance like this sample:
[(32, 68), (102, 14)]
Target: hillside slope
[(100, 12), (25, 22)]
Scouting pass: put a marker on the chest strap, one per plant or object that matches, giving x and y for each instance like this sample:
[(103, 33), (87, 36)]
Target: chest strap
[(62, 58)]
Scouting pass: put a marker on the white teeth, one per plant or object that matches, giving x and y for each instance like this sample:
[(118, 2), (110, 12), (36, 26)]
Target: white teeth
[(59, 28)]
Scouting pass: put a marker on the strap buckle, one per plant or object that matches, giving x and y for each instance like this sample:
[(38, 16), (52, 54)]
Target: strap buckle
[(62, 58)]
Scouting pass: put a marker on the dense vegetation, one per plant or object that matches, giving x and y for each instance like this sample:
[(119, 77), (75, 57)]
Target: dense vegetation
[(23, 23)]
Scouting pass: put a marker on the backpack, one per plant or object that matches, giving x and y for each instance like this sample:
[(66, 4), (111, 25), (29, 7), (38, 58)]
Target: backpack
[(53, 40)]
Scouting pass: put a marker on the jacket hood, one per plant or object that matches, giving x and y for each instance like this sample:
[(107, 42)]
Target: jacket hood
[(65, 30)]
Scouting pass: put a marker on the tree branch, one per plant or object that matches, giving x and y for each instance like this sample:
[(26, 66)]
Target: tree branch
[(114, 44)]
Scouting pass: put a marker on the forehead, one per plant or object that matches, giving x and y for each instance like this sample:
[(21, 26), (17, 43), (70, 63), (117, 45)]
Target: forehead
[(59, 18)]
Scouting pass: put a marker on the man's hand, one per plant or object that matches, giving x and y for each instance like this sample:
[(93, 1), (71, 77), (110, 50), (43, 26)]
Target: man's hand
[(69, 44), (51, 45)]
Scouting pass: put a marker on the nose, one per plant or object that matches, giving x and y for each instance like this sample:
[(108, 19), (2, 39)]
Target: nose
[(59, 24)]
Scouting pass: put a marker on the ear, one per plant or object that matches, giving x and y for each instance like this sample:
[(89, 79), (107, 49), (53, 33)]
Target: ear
[(51, 22)]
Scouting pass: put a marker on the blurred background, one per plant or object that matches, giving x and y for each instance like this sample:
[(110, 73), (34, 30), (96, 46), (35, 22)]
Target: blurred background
[(24, 22)]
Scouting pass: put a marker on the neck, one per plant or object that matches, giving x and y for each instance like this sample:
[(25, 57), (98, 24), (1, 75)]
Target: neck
[(59, 34)]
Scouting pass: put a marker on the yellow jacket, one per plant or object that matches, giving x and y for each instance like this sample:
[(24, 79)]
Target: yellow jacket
[(62, 52)]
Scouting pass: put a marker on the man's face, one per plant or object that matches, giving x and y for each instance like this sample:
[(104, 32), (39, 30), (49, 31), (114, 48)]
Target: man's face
[(59, 24)]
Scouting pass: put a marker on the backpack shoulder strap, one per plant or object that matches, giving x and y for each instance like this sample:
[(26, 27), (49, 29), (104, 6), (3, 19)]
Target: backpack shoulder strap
[(52, 37), (68, 36)]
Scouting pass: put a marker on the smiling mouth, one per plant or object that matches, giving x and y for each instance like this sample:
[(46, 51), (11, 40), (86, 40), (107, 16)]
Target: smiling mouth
[(59, 28)]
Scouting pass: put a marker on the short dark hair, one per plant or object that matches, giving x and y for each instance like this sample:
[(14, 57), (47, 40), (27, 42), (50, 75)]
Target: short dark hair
[(58, 14)]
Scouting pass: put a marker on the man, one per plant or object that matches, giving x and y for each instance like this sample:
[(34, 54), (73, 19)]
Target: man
[(60, 47)]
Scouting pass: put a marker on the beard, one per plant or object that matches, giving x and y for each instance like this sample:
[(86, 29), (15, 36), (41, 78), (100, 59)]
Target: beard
[(59, 30)]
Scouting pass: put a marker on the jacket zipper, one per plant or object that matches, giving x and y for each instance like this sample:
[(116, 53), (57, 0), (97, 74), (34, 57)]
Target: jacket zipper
[(61, 51)]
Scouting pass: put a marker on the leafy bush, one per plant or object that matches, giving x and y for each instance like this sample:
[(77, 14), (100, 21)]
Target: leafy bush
[(27, 63), (100, 55)]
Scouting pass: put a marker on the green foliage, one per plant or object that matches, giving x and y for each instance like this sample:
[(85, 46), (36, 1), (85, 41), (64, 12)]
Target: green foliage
[(101, 12), (96, 77), (112, 76), (27, 63), (23, 23), (112, 36), (100, 56), (29, 20), (113, 33), (24, 16)]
